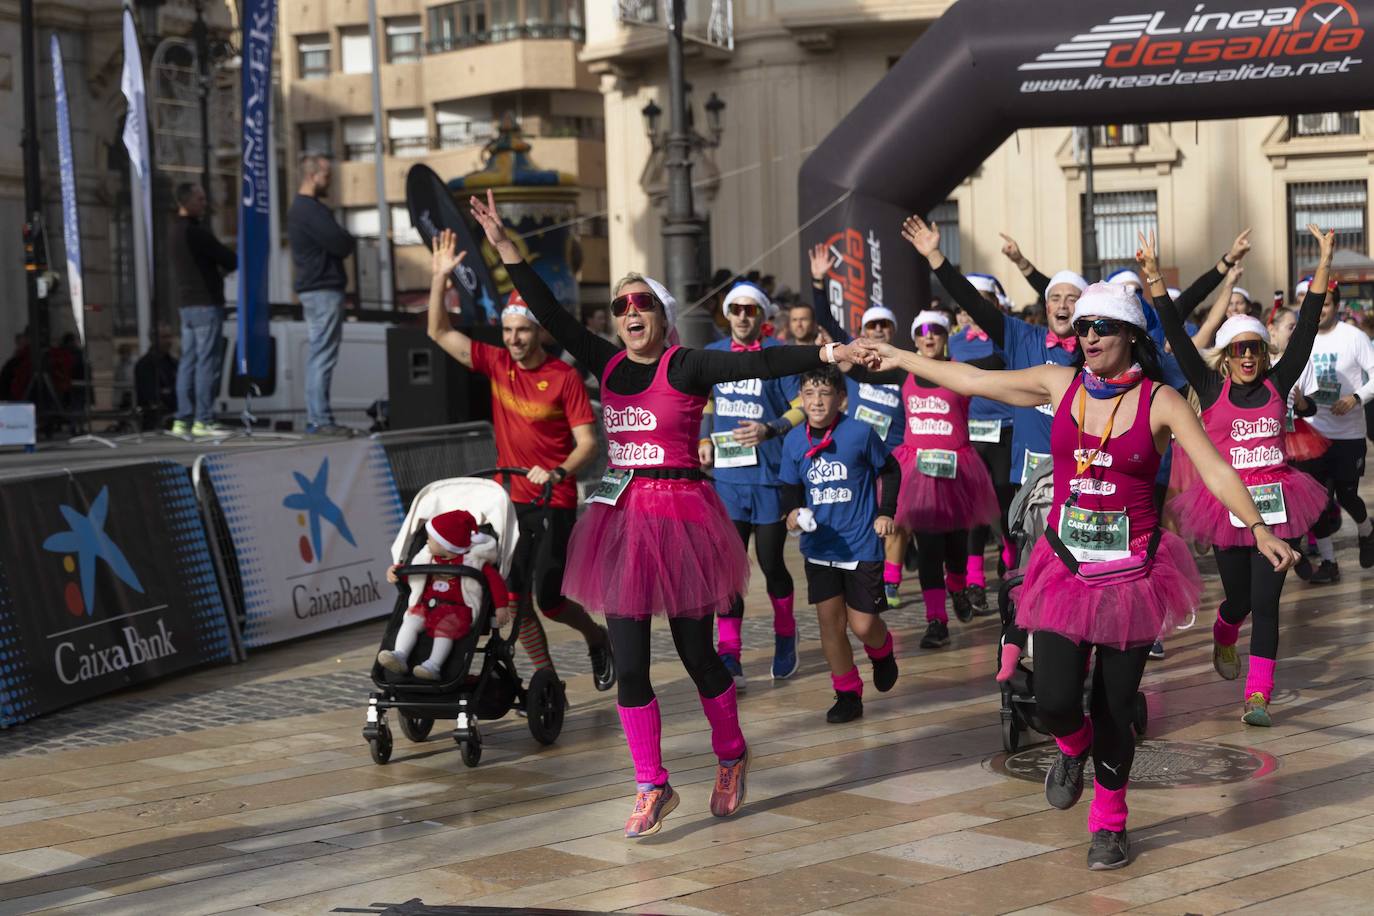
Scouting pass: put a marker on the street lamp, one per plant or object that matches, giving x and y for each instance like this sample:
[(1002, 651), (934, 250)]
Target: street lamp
[(715, 106), (651, 114)]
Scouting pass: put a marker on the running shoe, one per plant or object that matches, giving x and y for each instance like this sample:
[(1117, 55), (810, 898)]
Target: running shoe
[(1064, 781), (209, 430), (785, 659), (893, 599), (732, 665), (1110, 849), (963, 608), (425, 671), (1303, 568), (392, 662), (728, 793), (652, 804), (181, 427), (1226, 660), (885, 672), (978, 597), (1157, 650), (1257, 711), (603, 663), (848, 707), (1367, 551), (1327, 573), (937, 635)]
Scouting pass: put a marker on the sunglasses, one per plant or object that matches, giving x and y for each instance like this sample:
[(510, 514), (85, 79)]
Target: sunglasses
[(1243, 348), (880, 323), (931, 330), (1105, 327), (749, 309), (640, 302)]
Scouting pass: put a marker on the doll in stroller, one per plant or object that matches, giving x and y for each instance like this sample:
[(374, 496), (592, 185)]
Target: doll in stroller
[(1015, 679), (435, 664)]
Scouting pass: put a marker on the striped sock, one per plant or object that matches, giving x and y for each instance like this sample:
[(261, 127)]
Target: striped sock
[(536, 645)]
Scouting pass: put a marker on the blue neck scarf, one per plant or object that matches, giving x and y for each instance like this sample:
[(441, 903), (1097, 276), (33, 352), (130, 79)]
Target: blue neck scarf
[(1104, 388)]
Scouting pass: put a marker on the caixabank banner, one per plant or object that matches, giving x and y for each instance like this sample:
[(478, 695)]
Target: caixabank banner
[(106, 580), (311, 530)]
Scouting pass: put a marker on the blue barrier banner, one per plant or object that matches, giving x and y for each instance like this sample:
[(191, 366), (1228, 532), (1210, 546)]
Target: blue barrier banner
[(71, 225), (255, 195), (106, 580)]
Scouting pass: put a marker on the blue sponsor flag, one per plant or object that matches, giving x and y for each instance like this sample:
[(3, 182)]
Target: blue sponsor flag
[(71, 226), (255, 193)]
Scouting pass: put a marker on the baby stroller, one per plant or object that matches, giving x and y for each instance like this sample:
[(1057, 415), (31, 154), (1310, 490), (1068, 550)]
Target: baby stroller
[(459, 693), (1028, 518)]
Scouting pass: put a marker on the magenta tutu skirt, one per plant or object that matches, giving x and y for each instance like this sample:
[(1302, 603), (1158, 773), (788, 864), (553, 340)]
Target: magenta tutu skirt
[(1122, 615), (668, 547), (1182, 472), (935, 504), (1201, 517)]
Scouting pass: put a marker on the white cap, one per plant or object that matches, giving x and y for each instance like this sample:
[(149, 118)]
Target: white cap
[(1300, 291), (1125, 277), (744, 291), (878, 313), (1244, 292), (1067, 277), (1110, 300), (669, 308), (1237, 325), (987, 283), (929, 316)]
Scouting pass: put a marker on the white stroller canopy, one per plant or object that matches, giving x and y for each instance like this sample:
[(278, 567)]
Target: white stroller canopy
[(486, 500)]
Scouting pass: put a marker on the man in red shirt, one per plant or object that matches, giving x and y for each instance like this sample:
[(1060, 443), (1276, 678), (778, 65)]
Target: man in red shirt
[(544, 422)]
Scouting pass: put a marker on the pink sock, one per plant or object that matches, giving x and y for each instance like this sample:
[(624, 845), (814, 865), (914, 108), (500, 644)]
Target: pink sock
[(1108, 809), (784, 623), (955, 581), (976, 576), (1079, 741), (643, 731), (882, 651), (727, 635), (1008, 554), (1223, 633), (849, 682), (1010, 656), (935, 604), (892, 573), (726, 738), (1260, 677)]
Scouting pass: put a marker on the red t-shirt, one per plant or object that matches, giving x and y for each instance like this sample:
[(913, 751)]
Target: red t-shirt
[(533, 412)]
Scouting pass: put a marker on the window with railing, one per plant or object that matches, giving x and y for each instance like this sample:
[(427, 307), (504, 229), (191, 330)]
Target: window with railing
[(474, 22), (360, 140), (1118, 217), (463, 123), (317, 138), (312, 53), (1338, 205), (1114, 135), (582, 128), (403, 40), (1324, 124), (407, 133)]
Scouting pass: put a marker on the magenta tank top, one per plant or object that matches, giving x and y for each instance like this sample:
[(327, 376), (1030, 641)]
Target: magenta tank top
[(935, 417), (656, 428), (1249, 439), (1122, 476)]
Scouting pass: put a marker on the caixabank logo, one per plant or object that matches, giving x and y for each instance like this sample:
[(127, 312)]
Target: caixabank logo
[(314, 507), (1157, 48)]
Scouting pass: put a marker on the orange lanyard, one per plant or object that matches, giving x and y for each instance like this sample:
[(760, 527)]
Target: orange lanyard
[(1086, 461)]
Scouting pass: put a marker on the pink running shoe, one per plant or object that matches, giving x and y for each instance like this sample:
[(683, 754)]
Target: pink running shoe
[(652, 805), (728, 793)]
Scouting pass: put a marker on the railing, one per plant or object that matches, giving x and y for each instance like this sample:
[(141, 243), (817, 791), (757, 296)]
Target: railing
[(1325, 124), (1118, 135), (505, 33)]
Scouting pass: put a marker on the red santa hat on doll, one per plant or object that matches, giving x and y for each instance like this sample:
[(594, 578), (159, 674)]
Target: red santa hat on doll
[(457, 532)]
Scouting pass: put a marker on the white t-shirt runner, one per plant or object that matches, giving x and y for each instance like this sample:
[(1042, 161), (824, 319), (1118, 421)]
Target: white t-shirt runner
[(1342, 363)]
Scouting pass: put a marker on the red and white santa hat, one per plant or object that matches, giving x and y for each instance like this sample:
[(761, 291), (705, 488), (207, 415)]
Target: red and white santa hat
[(456, 531), (516, 305)]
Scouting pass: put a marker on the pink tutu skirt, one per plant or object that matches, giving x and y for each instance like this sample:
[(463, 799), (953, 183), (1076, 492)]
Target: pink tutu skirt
[(668, 547), (1201, 517), (1182, 472), (1123, 615), (932, 505)]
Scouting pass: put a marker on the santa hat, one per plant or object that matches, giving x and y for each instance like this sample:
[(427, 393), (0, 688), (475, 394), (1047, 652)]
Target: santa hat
[(987, 283), (669, 303), (1236, 325), (877, 313), (516, 305), (744, 291), (929, 316), (1110, 300), (1067, 278), (1244, 293), (456, 531)]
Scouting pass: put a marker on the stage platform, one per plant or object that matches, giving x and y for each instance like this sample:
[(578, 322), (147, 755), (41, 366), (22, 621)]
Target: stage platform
[(59, 454)]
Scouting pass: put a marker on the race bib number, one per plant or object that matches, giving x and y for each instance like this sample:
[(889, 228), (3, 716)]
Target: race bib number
[(875, 418), (1269, 501), (938, 462), (1030, 463), (730, 454), (1095, 536), (985, 430), (613, 483)]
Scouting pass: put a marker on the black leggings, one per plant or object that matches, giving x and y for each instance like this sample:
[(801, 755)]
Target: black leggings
[(936, 553), (1061, 666), (694, 639), (1252, 589), (769, 541)]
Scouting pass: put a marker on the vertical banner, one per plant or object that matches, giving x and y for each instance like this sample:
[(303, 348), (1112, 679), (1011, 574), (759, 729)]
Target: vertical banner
[(255, 194), (106, 580), (432, 209), (71, 225), (311, 530), (140, 174)]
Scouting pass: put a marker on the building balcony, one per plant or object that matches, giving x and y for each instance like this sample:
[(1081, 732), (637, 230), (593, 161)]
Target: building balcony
[(483, 69), (350, 94)]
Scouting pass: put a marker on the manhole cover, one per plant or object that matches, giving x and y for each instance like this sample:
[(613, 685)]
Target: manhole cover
[(1158, 764)]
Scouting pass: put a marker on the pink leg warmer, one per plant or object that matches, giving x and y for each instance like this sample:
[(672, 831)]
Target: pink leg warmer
[(882, 651), (956, 581), (1260, 677), (643, 732), (726, 738), (1079, 741), (1008, 554), (1223, 633), (1108, 809), (727, 635), (849, 682), (934, 599), (1010, 656), (784, 623), (892, 573), (976, 576)]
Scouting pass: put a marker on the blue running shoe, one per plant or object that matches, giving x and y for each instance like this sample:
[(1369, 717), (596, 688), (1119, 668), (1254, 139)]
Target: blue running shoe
[(784, 657), (732, 665)]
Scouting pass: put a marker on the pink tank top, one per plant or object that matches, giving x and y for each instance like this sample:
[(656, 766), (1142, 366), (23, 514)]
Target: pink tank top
[(1249, 439), (935, 417), (656, 428), (1122, 476)]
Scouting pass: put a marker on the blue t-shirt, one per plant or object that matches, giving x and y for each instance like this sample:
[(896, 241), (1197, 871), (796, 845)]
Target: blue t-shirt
[(879, 406), (963, 349), (1023, 346), (760, 400), (841, 489)]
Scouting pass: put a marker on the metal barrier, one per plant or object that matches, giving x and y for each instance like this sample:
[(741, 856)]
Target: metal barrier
[(422, 456)]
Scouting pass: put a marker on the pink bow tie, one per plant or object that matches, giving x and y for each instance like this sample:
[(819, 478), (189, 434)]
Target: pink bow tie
[(737, 347), (1070, 343), (975, 333)]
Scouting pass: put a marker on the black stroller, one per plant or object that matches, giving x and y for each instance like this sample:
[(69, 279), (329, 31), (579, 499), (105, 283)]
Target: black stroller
[(460, 694), (1028, 517)]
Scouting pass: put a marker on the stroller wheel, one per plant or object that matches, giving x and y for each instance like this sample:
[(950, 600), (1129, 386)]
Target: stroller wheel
[(471, 751), (416, 728), (380, 746), (1011, 734), (544, 703), (1141, 717)]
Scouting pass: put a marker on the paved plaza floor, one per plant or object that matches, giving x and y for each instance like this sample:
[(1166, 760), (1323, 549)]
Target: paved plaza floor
[(250, 790)]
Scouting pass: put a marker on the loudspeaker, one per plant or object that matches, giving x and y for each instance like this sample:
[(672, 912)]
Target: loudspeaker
[(427, 387)]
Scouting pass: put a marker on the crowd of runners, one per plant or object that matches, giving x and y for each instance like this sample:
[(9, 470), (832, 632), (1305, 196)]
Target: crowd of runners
[(1242, 434)]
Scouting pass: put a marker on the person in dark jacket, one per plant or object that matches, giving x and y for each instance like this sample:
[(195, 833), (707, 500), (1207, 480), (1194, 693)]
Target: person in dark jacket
[(318, 247), (199, 263)]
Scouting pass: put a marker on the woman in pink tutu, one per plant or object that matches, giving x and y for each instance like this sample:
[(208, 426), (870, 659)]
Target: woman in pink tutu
[(1113, 579), (1244, 400), (946, 488), (656, 539)]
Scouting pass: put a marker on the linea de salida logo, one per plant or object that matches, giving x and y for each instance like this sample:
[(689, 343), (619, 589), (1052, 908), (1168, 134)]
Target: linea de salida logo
[(82, 546), (313, 506)]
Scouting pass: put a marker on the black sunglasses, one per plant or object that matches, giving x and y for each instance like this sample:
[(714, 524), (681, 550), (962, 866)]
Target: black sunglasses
[(642, 302), (1105, 327), (1243, 348)]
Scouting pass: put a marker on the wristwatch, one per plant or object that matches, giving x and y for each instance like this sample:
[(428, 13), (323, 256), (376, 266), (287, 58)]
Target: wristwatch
[(559, 474)]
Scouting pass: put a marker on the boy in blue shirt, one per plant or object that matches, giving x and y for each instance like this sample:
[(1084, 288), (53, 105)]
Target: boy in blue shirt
[(830, 469)]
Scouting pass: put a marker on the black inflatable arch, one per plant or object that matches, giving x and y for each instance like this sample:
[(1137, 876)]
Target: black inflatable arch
[(989, 67)]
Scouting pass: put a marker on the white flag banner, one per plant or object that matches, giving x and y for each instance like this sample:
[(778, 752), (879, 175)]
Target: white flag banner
[(71, 225), (311, 529), (140, 171)]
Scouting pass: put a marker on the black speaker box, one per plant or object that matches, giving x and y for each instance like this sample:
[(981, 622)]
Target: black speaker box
[(427, 387)]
